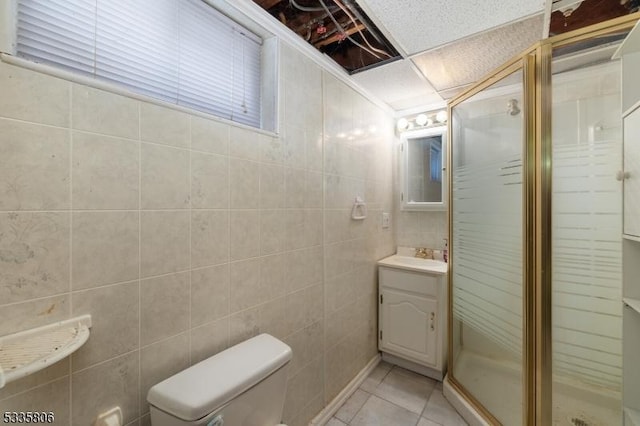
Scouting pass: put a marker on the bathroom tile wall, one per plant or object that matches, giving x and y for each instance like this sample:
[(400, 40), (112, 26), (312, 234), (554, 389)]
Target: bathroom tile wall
[(183, 235), (421, 229), (358, 162)]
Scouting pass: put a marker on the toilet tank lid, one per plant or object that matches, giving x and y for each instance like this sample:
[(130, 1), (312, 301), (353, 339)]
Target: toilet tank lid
[(206, 386)]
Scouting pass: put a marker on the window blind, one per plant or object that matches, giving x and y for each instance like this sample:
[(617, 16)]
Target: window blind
[(184, 52)]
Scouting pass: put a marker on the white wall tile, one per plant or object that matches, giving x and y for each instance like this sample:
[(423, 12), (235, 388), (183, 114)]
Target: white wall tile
[(272, 193), (164, 242), (164, 177), (35, 255), (245, 184), (272, 231), (115, 313), (209, 181), (209, 136), (106, 172), (209, 237), (33, 313), (35, 97), (164, 307), (245, 286), (98, 111), (209, 294), (209, 339), (244, 234), (35, 171), (101, 387), (244, 143), (105, 248), (164, 126)]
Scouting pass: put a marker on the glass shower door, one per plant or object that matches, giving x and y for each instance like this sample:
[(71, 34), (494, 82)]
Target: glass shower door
[(487, 151), (586, 243)]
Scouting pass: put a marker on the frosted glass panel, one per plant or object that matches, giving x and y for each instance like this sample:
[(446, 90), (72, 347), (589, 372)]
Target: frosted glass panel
[(586, 244), (488, 248)]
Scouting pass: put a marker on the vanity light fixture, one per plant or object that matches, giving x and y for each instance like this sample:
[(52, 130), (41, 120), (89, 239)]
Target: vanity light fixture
[(402, 124), (422, 120)]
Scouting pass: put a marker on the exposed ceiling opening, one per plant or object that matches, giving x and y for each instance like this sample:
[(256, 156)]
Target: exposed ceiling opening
[(339, 28), (569, 15), (444, 46)]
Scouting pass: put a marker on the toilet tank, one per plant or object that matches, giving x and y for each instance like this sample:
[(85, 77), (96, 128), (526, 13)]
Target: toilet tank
[(242, 386)]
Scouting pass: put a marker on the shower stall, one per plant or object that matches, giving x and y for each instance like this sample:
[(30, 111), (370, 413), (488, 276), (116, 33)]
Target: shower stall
[(536, 236)]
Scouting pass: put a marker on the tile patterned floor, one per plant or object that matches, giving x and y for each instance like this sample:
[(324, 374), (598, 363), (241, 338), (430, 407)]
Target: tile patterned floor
[(393, 396)]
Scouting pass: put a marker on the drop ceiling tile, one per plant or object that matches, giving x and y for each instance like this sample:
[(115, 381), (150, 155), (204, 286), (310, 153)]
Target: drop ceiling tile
[(453, 92), (417, 101), (419, 25), (398, 84), (468, 60)]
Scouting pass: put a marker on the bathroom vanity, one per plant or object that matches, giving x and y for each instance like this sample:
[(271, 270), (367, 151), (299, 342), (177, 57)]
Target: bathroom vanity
[(412, 319)]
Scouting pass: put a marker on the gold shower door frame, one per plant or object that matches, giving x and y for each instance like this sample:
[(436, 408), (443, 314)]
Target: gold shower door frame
[(535, 62)]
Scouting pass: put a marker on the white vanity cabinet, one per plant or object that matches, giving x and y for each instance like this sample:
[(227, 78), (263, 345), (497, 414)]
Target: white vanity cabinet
[(412, 315)]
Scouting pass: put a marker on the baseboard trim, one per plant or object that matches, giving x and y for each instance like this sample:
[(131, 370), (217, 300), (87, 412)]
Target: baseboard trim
[(332, 407)]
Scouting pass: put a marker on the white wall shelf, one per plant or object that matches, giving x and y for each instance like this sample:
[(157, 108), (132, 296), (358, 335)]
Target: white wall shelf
[(632, 303), (29, 351), (629, 51), (630, 237), (631, 43), (632, 417)]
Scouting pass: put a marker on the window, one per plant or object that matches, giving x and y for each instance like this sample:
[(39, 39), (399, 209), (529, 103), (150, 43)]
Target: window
[(184, 52)]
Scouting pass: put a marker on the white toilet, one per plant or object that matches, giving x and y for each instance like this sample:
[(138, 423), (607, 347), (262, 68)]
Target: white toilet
[(242, 386)]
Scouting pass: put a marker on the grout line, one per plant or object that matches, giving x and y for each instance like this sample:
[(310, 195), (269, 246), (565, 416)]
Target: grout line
[(122, 355), (287, 209), (139, 141), (38, 123), (189, 302), (39, 299), (70, 362), (228, 231), (41, 385), (324, 230)]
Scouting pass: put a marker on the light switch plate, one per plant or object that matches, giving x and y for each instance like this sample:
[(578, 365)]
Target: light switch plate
[(386, 220)]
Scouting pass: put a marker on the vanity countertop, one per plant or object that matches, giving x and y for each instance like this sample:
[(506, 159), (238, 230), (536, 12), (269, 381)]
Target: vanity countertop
[(416, 264)]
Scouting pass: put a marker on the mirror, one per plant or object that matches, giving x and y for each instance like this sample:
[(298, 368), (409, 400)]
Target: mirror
[(423, 169)]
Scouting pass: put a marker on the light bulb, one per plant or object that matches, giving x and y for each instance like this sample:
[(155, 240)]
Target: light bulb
[(421, 119), (403, 123), (441, 117)]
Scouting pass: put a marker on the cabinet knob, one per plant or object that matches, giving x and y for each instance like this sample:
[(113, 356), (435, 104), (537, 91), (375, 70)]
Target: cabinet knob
[(621, 175)]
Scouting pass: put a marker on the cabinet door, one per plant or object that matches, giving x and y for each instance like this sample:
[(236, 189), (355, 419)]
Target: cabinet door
[(409, 326), (632, 167)]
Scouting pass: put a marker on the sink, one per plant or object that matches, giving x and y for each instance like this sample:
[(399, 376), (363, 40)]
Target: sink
[(414, 264)]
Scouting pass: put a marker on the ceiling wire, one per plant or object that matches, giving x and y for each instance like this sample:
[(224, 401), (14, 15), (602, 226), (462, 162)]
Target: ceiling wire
[(337, 24), (341, 6), (305, 8)]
